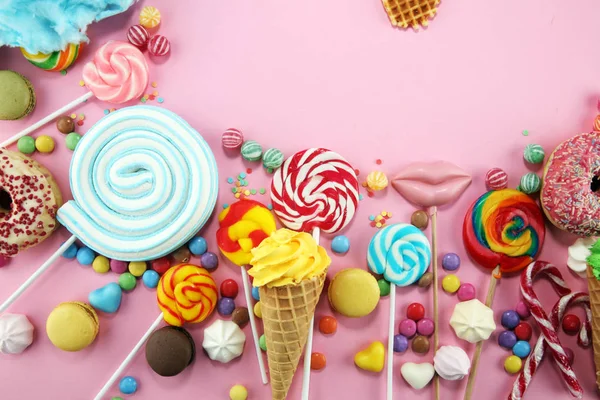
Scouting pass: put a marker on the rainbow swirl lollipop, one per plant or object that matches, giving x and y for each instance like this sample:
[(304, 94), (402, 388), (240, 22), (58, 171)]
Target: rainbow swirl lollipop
[(504, 228)]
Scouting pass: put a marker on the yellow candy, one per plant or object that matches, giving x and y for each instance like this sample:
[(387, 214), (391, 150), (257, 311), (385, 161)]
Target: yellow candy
[(377, 180), (258, 310), (44, 144), (372, 358), (513, 364), (149, 17), (451, 283), (101, 265), (137, 268), (238, 392)]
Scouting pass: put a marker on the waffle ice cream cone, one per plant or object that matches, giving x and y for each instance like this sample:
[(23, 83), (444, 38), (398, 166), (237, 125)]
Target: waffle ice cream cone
[(411, 13), (286, 313), (594, 289)]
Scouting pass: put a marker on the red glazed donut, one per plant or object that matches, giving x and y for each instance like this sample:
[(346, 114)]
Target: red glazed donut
[(29, 200), (570, 193)]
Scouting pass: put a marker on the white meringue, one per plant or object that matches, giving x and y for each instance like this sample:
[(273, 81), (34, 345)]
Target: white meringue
[(451, 363), (472, 321), (224, 341), (16, 333), (578, 254)]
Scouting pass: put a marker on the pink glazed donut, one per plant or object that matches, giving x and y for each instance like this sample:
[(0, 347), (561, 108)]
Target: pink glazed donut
[(570, 193)]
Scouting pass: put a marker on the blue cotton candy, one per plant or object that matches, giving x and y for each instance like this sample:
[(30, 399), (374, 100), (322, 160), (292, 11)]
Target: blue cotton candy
[(44, 26)]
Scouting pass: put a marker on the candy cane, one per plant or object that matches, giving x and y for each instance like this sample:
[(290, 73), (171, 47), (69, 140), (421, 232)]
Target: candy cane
[(534, 270)]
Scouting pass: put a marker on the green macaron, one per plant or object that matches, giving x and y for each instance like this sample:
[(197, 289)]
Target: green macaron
[(17, 97)]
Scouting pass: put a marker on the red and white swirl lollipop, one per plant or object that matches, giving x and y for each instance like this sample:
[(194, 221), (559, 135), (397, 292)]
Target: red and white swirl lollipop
[(117, 74)]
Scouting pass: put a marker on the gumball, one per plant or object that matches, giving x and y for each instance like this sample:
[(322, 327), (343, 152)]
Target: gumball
[(340, 244), (513, 364), (158, 45), (420, 345), (510, 319), (420, 219), (571, 324), (317, 361), (138, 36), (71, 251), (101, 265), (151, 279), (225, 306), (65, 124), (521, 349), (507, 339), (229, 288), (425, 327), (523, 331), (496, 179), (161, 265), (523, 310), (232, 139), (128, 385), (451, 262), (137, 268), (262, 342), (466, 292), (400, 343), (255, 293), (415, 311), (257, 309), (118, 267), (408, 328), (384, 287), (44, 144), (327, 325), (197, 245), (127, 281), (85, 256), (209, 260), (451, 283)]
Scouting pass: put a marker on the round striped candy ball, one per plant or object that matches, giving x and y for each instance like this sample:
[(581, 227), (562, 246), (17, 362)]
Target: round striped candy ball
[(232, 139), (251, 151), (530, 183), (534, 153), (496, 179), (138, 36), (159, 45)]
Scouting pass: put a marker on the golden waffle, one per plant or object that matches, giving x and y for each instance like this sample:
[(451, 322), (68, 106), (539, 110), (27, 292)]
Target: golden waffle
[(411, 13)]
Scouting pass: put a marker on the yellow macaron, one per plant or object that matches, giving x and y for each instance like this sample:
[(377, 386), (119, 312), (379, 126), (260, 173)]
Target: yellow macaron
[(353, 292), (72, 326)]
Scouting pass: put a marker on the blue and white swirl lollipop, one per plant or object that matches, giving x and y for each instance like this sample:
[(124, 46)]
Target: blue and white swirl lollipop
[(143, 183)]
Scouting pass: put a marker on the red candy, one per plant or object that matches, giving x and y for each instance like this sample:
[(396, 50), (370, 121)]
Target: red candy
[(159, 45), (571, 324), (523, 331), (328, 325), (138, 36), (496, 179), (415, 311), (229, 288), (161, 265)]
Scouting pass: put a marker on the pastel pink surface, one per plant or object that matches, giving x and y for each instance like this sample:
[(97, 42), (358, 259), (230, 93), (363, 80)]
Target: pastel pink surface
[(332, 74)]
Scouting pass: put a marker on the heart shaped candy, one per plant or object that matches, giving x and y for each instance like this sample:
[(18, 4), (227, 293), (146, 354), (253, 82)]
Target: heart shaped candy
[(417, 375), (372, 358), (107, 298)]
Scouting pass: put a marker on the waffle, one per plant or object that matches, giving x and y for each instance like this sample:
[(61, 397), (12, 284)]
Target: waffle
[(411, 13), (594, 289)]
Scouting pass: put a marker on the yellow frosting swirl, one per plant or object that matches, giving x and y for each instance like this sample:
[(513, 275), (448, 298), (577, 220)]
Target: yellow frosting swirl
[(286, 258)]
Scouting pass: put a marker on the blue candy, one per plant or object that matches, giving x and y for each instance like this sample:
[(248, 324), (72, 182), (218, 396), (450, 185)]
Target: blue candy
[(107, 298), (197, 245), (521, 349), (340, 244), (255, 293), (150, 278), (71, 251), (128, 385), (85, 256)]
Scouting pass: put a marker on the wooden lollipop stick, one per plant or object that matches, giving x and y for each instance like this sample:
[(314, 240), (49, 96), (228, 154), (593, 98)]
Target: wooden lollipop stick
[(259, 356), (390, 349), (434, 257), (488, 302)]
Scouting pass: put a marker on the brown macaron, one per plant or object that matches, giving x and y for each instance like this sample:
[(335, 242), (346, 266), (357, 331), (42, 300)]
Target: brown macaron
[(170, 350)]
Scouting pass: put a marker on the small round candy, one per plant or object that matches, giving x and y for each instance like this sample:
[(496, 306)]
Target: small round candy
[(534, 153), (510, 319), (137, 268), (570, 355), (255, 293), (65, 124), (400, 343), (328, 325), (197, 245), (451, 283), (272, 159), (513, 364), (149, 17), (72, 140), (262, 342), (159, 46), (451, 262), (240, 316), (232, 139), (118, 267), (181, 255), (225, 306), (26, 145), (377, 180), (71, 251), (138, 36), (150, 279), (523, 331), (522, 309), (340, 244), (85, 256), (425, 327), (384, 287), (116, 398), (161, 265), (415, 311), (425, 280), (101, 264), (238, 392), (521, 349), (420, 345), (408, 328), (496, 179), (317, 361), (257, 310), (128, 385), (571, 324), (530, 183), (44, 144), (209, 260), (251, 150), (466, 292), (507, 339), (420, 219), (229, 288), (127, 281)]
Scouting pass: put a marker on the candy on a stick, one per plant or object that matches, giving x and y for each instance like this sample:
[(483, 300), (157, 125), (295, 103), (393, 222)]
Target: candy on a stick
[(117, 74)]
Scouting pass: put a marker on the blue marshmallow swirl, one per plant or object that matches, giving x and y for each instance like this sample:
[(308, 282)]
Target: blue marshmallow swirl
[(401, 252), (143, 183)]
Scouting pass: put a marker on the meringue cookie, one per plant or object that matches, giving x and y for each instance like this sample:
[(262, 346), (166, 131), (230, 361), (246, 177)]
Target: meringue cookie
[(224, 341), (451, 363), (472, 321), (16, 333), (578, 253)]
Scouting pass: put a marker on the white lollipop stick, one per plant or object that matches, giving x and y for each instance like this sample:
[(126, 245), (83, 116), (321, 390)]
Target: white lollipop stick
[(45, 120), (390, 349), (129, 358), (259, 356), (316, 234), (37, 274)]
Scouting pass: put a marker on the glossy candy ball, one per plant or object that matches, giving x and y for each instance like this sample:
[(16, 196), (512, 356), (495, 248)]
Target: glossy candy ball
[(128, 385), (522, 309), (118, 267), (85, 256), (415, 311), (466, 292), (425, 280), (158, 45), (420, 219), (26, 145), (513, 364), (328, 325), (521, 349), (262, 343), (510, 319), (255, 293), (151, 279), (340, 244), (65, 124), (197, 245), (138, 36), (523, 331), (181, 255), (571, 324), (209, 261), (257, 309), (534, 153), (238, 392), (451, 283), (161, 265), (240, 316), (408, 328), (530, 183), (72, 140), (137, 268), (400, 343), (496, 179), (71, 251), (229, 288), (225, 306), (317, 361), (451, 262), (44, 144), (507, 339), (384, 287), (101, 265), (420, 345), (127, 281), (425, 327), (232, 139)]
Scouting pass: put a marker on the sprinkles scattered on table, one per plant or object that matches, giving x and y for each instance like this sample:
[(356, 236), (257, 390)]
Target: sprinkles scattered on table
[(379, 221), (239, 186)]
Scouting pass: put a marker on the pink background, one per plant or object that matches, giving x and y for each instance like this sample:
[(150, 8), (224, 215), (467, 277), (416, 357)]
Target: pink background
[(333, 74)]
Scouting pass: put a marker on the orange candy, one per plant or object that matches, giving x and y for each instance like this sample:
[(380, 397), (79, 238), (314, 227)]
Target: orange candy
[(317, 361), (328, 325)]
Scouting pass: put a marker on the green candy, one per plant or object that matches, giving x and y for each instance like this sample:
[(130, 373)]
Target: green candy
[(594, 259), (534, 153), (272, 159), (26, 145), (251, 151), (262, 342), (127, 281), (72, 140), (384, 287), (530, 183), (117, 398)]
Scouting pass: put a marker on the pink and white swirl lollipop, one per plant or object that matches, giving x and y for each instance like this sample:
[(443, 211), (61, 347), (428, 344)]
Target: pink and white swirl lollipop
[(117, 74)]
